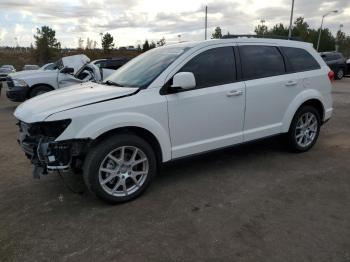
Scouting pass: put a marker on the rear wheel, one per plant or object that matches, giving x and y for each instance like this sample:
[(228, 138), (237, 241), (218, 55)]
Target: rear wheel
[(38, 90), (304, 129), (120, 168)]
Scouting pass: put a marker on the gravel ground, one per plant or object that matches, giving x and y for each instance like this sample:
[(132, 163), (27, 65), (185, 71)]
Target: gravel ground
[(255, 202)]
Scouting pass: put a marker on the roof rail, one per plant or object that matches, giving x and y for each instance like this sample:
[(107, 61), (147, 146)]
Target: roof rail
[(262, 36)]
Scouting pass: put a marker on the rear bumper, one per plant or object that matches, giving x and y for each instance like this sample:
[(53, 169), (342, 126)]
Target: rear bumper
[(327, 115)]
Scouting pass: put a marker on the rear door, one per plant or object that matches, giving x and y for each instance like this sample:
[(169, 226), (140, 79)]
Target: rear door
[(269, 89)]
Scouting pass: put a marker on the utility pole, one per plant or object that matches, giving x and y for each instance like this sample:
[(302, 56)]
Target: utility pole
[(206, 22), (291, 21)]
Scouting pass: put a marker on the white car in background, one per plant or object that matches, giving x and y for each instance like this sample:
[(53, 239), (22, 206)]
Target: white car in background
[(173, 102), (70, 70)]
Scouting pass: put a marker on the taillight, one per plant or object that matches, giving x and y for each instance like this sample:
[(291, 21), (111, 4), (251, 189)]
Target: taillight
[(331, 75)]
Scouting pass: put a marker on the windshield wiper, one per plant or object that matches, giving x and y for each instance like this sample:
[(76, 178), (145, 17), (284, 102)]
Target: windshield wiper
[(111, 83)]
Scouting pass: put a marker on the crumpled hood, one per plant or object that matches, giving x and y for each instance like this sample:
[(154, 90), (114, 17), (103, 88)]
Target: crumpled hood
[(75, 61), (39, 108)]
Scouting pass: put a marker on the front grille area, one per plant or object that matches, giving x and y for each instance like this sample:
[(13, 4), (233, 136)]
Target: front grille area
[(9, 82)]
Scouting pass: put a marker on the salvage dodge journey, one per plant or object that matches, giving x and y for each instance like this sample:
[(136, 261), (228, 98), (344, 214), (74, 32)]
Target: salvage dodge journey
[(176, 101)]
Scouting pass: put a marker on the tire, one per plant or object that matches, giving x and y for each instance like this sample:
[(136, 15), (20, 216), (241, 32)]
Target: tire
[(107, 155), (38, 90), (302, 138), (339, 74)]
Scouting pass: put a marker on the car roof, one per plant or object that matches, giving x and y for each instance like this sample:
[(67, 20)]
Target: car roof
[(252, 40), (328, 53)]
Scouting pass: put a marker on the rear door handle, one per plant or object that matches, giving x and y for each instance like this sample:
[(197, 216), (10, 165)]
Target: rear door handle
[(234, 93), (291, 83)]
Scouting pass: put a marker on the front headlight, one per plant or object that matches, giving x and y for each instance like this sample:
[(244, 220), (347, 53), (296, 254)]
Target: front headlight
[(51, 129), (19, 82)]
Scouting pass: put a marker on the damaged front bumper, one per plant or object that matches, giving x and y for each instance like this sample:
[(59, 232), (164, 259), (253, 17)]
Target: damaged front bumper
[(45, 153)]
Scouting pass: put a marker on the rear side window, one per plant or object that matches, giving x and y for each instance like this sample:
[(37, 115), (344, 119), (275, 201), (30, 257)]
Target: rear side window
[(212, 67), (300, 59), (261, 61)]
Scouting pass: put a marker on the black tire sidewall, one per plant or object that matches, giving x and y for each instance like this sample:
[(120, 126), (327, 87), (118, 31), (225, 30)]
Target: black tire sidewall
[(99, 152), (291, 134)]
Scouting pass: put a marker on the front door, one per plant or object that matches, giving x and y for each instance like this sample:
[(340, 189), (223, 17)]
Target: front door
[(211, 115)]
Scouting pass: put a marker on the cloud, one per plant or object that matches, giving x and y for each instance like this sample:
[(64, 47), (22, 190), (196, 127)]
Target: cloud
[(135, 20)]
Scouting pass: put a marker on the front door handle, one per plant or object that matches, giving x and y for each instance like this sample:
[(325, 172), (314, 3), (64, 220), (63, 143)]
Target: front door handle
[(291, 83), (234, 93)]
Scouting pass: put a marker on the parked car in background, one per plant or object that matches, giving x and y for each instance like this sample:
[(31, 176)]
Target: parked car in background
[(30, 67), (111, 63), (70, 70), (5, 70), (176, 101), (337, 62), (348, 65)]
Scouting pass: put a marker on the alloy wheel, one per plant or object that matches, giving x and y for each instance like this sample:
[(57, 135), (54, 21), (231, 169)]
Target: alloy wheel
[(306, 129), (123, 171)]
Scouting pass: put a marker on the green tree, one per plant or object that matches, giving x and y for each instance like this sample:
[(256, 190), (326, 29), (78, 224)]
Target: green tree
[(301, 29), (261, 29), (152, 45), (278, 30), (161, 42), (47, 46), (217, 33), (107, 42), (145, 46)]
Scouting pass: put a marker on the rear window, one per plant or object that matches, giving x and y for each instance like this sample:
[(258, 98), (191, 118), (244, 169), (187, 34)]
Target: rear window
[(329, 57), (261, 61), (300, 59)]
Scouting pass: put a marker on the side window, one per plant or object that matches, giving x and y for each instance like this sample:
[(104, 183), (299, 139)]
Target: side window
[(212, 67), (261, 61), (300, 59)]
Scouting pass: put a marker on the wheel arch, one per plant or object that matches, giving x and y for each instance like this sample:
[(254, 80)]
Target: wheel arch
[(36, 85), (139, 131), (313, 99)]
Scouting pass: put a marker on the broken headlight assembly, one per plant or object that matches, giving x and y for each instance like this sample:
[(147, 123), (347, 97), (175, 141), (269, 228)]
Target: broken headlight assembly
[(52, 129), (38, 142)]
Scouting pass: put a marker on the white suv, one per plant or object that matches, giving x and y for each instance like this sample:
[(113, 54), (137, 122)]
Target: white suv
[(173, 102)]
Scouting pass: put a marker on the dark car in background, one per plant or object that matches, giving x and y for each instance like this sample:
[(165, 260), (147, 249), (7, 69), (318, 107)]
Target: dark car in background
[(337, 62), (111, 63), (4, 71)]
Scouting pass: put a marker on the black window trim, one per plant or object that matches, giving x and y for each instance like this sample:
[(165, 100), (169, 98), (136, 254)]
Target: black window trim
[(275, 46), (166, 90)]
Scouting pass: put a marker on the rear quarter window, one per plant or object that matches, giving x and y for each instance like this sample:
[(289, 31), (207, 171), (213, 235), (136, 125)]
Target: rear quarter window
[(261, 61), (299, 59)]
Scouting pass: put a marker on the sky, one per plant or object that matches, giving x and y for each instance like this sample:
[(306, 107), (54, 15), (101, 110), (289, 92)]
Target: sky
[(132, 21)]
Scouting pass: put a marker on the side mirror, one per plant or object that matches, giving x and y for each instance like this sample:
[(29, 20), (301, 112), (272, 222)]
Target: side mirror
[(67, 70), (184, 80)]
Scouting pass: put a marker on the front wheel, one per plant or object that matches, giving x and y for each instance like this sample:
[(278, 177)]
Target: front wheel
[(120, 168), (304, 129)]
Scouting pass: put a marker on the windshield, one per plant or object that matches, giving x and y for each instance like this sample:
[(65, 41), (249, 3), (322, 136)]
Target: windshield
[(50, 66), (142, 70)]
